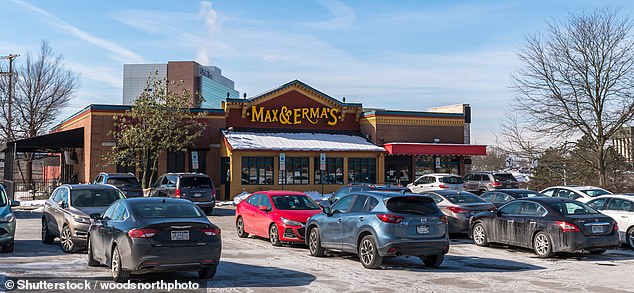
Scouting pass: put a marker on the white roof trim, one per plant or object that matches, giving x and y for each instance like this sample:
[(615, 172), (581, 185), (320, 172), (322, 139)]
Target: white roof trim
[(301, 141)]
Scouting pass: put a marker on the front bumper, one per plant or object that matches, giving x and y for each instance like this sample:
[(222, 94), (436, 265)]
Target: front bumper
[(7, 232), (80, 235), (416, 248), (292, 233), (577, 242), (143, 257)]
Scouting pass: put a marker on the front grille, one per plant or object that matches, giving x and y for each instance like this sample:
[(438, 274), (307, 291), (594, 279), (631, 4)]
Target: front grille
[(288, 233), (302, 232)]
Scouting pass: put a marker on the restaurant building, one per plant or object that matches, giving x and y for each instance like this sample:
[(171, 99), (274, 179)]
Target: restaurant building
[(292, 137)]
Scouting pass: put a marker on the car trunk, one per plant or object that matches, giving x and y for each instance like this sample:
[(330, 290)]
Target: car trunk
[(178, 233), (474, 208), (593, 224), (422, 218), (197, 194), (506, 181)]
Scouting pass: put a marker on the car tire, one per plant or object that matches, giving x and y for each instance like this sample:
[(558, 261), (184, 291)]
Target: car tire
[(479, 235), (47, 238), (66, 240), (208, 272), (368, 253), (118, 274), (543, 245), (208, 211), (314, 243), (8, 247), (629, 237), (240, 228), (274, 235), (597, 251), (91, 259), (433, 261)]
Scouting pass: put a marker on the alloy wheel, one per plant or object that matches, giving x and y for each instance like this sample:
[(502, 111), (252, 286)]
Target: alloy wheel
[(478, 235), (630, 237), (240, 227), (274, 235), (66, 240), (542, 244), (312, 241), (367, 251), (116, 263)]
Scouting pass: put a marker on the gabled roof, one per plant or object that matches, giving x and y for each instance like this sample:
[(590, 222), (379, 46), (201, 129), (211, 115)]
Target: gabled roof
[(289, 84)]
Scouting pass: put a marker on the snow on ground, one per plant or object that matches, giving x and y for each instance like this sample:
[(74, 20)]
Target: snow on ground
[(31, 203)]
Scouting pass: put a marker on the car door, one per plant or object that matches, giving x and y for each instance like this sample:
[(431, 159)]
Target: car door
[(60, 210), (49, 210), (351, 223), (619, 210), (248, 212), (261, 219), (106, 229), (504, 225), (531, 219), (117, 225), (331, 231)]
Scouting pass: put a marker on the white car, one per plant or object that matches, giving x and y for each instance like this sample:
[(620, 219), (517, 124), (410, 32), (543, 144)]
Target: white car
[(619, 207), (435, 182), (576, 192)]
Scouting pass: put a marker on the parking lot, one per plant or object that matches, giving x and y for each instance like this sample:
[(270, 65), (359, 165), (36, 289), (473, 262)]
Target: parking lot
[(252, 264)]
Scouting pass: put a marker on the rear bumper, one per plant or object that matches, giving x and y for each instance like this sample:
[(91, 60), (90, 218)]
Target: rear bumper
[(458, 225), (416, 248), (576, 242), (205, 204), (146, 258)]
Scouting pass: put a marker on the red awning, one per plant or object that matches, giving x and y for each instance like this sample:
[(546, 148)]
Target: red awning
[(404, 148)]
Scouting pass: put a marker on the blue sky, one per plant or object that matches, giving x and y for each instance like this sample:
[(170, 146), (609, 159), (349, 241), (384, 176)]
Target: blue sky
[(403, 55)]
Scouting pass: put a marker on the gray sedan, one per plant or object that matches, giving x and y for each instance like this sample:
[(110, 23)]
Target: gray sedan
[(459, 207)]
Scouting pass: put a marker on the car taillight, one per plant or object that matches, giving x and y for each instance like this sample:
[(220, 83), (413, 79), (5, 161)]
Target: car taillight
[(457, 210), (213, 192), (389, 218), (567, 227), (443, 219), (496, 184), (142, 233), (177, 193), (443, 186), (616, 226), (211, 231)]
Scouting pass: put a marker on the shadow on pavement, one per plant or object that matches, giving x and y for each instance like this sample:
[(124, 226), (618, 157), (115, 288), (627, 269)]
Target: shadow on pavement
[(223, 212), (27, 214), (232, 275), (34, 248)]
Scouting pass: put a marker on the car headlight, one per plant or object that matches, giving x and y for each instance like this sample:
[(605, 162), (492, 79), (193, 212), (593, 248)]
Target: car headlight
[(82, 220), (7, 219), (291, 222)]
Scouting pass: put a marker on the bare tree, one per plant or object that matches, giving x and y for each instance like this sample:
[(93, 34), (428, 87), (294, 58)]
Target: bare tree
[(43, 87), (577, 79)]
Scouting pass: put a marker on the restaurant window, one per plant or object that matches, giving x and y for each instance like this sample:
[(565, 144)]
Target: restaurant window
[(296, 172), (362, 170), (257, 170), (333, 173)]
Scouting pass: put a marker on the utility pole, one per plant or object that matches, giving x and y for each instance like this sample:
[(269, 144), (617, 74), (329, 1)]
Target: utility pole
[(10, 74)]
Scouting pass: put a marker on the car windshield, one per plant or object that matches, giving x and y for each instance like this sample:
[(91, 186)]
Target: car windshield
[(419, 205), (463, 197), (451, 180), (123, 181), (196, 182), (94, 197), (595, 192), (294, 202), (572, 208), (160, 209), (504, 177), (3, 198)]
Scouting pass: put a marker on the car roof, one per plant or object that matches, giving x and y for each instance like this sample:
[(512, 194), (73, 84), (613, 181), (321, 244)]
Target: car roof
[(89, 186), (547, 199), (444, 192), (280, 192), (118, 174), (627, 196), (185, 174), (442, 174), (576, 187), (385, 195), (510, 190), (154, 199)]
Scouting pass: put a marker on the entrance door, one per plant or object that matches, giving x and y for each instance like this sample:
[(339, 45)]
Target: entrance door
[(225, 175), (398, 169)]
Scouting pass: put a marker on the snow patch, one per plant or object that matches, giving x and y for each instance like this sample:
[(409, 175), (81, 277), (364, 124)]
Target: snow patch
[(240, 197)]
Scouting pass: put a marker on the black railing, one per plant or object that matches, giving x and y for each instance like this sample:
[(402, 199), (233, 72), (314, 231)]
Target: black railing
[(33, 190)]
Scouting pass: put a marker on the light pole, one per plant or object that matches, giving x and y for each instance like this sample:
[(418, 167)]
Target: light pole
[(10, 73)]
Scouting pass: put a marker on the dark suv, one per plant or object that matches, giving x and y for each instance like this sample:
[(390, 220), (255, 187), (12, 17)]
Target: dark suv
[(480, 182), (195, 187), (126, 182)]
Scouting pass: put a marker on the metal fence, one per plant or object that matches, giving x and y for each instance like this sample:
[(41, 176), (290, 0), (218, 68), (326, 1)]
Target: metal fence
[(33, 190)]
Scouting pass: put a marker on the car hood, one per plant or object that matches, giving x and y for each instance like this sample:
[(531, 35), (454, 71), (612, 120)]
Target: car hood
[(298, 215), (4, 210), (87, 211)]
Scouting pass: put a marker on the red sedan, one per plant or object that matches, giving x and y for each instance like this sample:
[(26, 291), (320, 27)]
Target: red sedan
[(279, 216)]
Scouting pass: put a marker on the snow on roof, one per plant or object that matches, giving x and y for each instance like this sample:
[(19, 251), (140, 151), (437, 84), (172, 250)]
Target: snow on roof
[(302, 141)]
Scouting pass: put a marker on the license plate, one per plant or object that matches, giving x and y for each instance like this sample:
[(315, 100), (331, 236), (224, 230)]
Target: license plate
[(197, 195), (597, 229), (180, 235), (422, 229)]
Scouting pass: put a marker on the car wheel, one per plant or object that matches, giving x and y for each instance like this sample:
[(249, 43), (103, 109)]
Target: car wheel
[(597, 251), (274, 235), (91, 260), (542, 245), (66, 240), (8, 247), (479, 235), (314, 243), (208, 211), (47, 238), (208, 272), (629, 237), (433, 261), (118, 274), (368, 253), (240, 228)]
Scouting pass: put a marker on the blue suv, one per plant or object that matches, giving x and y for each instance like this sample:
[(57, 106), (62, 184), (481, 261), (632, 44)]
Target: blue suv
[(7, 221), (376, 224)]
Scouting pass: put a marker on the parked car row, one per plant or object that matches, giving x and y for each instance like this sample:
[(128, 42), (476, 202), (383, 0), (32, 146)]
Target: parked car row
[(476, 182)]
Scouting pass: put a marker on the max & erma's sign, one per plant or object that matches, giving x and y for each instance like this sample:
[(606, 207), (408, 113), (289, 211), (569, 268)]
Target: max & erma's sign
[(285, 115)]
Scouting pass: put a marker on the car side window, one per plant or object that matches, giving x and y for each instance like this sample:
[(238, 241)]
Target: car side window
[(484, 177), (56, 196), (172, 181), (370, 204), (265, 201), (533, 209), (468, 177), (617, 204), (254, 199), (489, 196), (598, 204), (436, 198), (359, 202), (343, 205), (549, 192), (120, 213), (109, 213), (512, 208), (503, 197), (64, 196)]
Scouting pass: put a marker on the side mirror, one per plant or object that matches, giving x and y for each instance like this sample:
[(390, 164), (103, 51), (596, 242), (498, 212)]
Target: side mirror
[(327, 211), (264, 208), (95, 216), (15, 203), (61, 204)]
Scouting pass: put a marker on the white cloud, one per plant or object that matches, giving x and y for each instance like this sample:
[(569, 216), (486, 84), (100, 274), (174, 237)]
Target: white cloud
[(105, 74), (342, 15), (119, 53)]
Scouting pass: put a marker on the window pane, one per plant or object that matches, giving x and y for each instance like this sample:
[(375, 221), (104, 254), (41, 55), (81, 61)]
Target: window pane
[(296, 172), (257, 170), (333, 173), (362, 170)]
